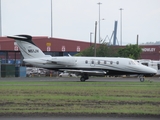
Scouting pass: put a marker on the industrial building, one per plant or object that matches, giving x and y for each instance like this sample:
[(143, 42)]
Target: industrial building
[(9, 51)]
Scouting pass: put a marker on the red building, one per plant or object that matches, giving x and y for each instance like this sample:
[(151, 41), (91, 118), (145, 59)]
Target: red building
[(59, 47), (150, 52)]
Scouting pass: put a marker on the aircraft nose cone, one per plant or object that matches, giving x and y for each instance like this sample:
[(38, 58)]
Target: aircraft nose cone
[(153, 71)]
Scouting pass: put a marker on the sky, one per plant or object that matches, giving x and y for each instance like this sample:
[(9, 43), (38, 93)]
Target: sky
[(75, 19)]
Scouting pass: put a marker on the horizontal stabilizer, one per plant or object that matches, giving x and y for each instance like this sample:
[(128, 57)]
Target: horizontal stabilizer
[(17, 37)]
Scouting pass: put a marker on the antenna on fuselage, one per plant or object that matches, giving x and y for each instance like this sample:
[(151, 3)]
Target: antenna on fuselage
[(69, 55)]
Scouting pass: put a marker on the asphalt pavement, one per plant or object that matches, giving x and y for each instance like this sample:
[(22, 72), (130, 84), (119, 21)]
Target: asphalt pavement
[(76, 79)]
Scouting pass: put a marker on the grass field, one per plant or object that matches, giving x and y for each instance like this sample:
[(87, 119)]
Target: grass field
[(39, 97)]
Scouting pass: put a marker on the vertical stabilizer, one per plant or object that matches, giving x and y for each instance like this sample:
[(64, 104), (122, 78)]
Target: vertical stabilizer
[(27, 47)]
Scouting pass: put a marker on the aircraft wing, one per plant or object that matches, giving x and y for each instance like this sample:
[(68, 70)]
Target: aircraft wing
[(69, 61), (89, 72)]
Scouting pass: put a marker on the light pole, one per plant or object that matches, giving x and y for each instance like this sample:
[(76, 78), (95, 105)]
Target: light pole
[(121, 24), (0, 20), (95, 36), (51, 21), (91, 38), (99, 21)]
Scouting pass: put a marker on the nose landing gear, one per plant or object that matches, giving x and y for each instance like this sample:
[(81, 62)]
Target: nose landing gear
[(141, 78)]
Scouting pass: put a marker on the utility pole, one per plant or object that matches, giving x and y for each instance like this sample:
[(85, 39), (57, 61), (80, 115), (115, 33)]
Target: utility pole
[(0, 19), (51, 21), (95, 39), (137, 39), (99, 23), (121, 24)]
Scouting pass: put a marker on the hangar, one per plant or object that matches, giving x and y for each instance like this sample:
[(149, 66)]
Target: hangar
[(9, 52)]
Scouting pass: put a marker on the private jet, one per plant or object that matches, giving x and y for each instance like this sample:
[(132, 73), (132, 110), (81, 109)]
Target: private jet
[(82, 66)]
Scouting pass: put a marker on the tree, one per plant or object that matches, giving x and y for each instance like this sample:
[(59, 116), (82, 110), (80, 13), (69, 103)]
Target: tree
[(102, 51), (87, 52), (130, 51)]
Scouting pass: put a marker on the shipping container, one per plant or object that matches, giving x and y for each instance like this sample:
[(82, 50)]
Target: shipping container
[(20, 71)]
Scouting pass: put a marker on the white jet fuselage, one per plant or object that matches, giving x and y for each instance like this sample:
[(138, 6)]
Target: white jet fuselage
[(108, 64), (84, 66)]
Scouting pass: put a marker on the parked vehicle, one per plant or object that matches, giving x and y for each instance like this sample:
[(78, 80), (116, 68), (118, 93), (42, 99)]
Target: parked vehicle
[(31, 71), (64, 74)]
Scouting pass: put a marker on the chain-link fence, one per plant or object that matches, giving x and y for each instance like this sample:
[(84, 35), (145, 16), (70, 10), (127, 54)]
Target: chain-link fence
[(10, 70)]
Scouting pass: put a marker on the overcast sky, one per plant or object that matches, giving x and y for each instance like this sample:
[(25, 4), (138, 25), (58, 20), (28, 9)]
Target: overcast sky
[(75, 19)]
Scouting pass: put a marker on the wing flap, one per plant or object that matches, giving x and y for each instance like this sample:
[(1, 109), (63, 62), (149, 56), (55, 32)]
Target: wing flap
[(89, 72)]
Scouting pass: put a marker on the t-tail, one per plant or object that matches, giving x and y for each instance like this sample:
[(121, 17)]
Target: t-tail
[(28, 49)]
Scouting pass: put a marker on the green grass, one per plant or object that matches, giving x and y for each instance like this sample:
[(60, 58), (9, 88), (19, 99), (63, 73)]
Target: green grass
[(80, 97)]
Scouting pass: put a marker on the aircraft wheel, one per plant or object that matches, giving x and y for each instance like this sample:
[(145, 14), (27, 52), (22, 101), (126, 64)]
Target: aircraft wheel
[(142, 79), (82, 79), (30, 75)]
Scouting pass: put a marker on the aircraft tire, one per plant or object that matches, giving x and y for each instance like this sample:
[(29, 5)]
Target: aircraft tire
[(82, 79), (142, 79)]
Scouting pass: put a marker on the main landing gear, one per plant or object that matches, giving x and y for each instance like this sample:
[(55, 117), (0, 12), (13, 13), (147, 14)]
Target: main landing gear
[(84, 77)]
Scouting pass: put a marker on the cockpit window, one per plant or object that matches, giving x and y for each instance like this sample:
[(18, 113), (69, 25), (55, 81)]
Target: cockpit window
[(133, 62), (146, 64)]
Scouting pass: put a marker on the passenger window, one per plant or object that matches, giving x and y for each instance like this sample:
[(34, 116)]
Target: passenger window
[(98, 62), (92, 62), (105, 62), (111, 62), (117, 62), (86, 61)]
